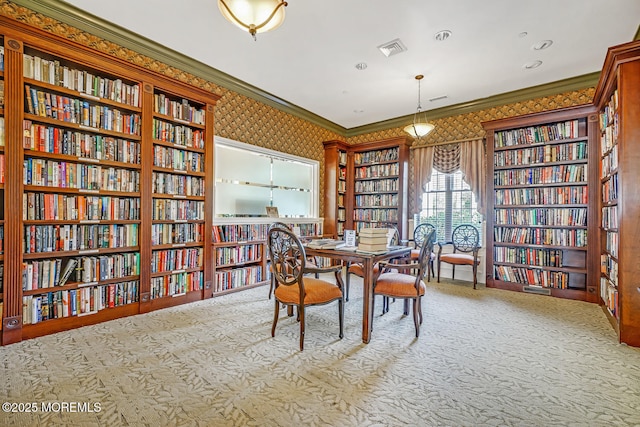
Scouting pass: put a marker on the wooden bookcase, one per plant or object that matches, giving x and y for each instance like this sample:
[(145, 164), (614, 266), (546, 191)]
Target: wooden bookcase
[(617, 96), (376, 179), (240, 257), (336, 201), (93, 188), (2, 179), (541, 189)]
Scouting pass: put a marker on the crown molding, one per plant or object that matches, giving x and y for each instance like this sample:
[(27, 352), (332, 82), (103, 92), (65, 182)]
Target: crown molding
[(106, 30), (637, 36), (553, 88)]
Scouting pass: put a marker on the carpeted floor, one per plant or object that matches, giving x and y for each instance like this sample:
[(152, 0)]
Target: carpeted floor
[(484, 358)]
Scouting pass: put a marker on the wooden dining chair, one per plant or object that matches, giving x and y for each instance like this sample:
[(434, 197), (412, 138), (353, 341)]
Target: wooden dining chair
[(292, 287), (465, 240), (400, 280), (419, 234)]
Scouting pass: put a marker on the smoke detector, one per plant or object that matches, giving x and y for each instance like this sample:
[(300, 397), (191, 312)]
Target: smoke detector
[(393, 47)]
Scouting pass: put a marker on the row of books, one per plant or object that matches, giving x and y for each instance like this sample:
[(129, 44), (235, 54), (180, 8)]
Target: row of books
[(541, 154), (181, 110), (376, 214), (54, 173), (80, 112), (79, 237), (176, 259), (609, 267), (49, 273), (2, 168), (542, 196), (609, 138), (237, 278), (542, 216), (377, 171), (52, 72), (610, 189), (609, 294), (178, 134), (180, 185), (176, 284), (609, 114), (376, 186), (377, 200), (248, 232), (178, 210), (51, 139), (541, 236), (541, 175), (609, 163), (385, 155), (172, 158), (77, 302), (612, 243), (238, 254), (528, 256), (54, 207), (166, 234), (537, 134), (533, 277), (610, 217)]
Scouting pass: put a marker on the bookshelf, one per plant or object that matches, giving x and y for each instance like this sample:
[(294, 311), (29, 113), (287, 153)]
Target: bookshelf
[(541, 187), (376, 179), (335, 184), (240, 259), (2, 178), (93, 192), (616, 98)]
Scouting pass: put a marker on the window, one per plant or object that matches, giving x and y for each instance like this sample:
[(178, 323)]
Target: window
[(447, 203), (250, 178)]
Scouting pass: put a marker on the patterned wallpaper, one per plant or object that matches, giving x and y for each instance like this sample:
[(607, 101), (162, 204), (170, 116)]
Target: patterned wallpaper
[(243, 119)]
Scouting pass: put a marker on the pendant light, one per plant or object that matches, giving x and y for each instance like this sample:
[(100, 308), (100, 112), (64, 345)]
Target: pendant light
[(257, 16), (420, 126)]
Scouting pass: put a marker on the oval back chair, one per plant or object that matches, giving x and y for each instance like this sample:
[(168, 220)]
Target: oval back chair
[(466, 244)]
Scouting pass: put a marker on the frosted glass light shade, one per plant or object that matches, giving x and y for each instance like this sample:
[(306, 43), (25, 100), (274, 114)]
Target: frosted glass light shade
[(418, 130), (253, 15)]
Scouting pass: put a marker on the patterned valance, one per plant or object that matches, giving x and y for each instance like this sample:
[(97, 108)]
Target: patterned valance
[(446, 158)]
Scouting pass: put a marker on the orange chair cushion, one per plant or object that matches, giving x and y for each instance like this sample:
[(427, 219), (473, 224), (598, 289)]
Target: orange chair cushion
[(398, 285), (359, 271), (317, 291), (459, 259), (415, 254)]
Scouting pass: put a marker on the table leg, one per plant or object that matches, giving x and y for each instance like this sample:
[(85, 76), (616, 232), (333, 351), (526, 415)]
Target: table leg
[(367, 300)]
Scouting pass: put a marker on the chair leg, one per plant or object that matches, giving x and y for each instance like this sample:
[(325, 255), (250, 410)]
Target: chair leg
[(420, 309), (475, 274), (453, 271), (275, 318), (301, 317), (341, 317), (439, 267), (271, 286), (415, 316), (406, 307)]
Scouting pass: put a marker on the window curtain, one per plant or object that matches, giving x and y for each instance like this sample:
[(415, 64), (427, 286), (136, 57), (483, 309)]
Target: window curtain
[(473, 164), (422, 167), (467, 156)]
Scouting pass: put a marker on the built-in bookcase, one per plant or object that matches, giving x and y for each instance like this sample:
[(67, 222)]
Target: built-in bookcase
[(81, 199), (617, 98), (240, 253), (105, 209), (541, 172), (369, 188), (2, 174), (178, 189)]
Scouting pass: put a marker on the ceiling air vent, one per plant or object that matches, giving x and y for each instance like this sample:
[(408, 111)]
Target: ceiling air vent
[(393, 47)]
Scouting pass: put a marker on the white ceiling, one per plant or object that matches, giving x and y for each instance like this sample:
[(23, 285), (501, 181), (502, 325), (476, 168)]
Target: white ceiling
[(310, 60)]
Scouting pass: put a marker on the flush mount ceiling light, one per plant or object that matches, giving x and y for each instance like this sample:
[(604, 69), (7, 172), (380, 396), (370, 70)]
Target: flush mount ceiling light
[(420, 126), (541, 45), (257, 16)]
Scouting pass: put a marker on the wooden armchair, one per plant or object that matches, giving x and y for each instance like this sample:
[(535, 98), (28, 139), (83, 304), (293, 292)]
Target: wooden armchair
[(400, 280), (466, 244), (419, 235), (292, 288)]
